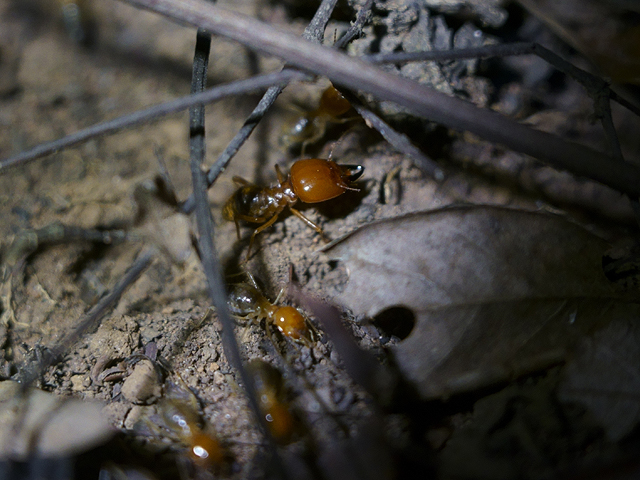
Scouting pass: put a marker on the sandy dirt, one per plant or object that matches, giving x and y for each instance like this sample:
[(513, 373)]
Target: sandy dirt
[(51, 86)]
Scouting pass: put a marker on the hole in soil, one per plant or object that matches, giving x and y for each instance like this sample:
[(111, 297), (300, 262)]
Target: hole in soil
[(395, 321)]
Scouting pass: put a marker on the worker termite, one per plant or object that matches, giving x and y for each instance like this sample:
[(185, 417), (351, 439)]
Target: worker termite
[(311, 180), (247, 302), (269, 386), (178, 419), (312, 126), (182, 420)]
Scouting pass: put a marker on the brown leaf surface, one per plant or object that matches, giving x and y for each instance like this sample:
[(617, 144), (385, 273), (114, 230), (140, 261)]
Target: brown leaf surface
[(604, 377), (495, 292)]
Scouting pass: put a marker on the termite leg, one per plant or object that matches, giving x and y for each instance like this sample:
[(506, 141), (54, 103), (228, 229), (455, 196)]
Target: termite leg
[(240, 182), (321, 127), (268, 325), (242, 321), (303, 148), (257, 231), (279, 296), (252, 280), (309, 223)]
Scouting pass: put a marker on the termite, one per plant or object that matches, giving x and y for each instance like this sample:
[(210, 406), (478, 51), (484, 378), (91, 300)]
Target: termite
[(311, 126), (204, 448), (246, 301), (311, 180), (269, 387)]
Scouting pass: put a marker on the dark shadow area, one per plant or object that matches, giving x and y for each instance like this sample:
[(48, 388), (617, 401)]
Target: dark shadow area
[(395, 321)]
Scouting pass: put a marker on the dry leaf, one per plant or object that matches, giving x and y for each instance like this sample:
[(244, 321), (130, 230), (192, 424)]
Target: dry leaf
[(40, 424), (494, 292), (511, 432), (605, 377)]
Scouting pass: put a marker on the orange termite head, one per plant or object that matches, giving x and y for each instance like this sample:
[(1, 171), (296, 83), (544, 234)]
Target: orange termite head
[(316, 180), (205, 450), (292, 324), (333, 103)]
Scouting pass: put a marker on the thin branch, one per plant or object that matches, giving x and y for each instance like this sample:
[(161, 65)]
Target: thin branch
[(315, 30), (215, 282), (417, 98), (587, 79), (602, 107), (198, 85), (397, 140), (208, 255), (597, 88), (28, 241), (625, 103), (153, 114), (401, 143), (484, 51), (355, 29)]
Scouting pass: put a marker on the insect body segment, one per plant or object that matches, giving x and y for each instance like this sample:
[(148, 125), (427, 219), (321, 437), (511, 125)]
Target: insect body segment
[(268, 383), (311, 180), (246, 301), (332, 103), (255, 204), (291, 324), (311, 127), (204, 449), (316, 180)]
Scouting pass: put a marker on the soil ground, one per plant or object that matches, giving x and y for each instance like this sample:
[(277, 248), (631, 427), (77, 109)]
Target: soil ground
[(51, 86)]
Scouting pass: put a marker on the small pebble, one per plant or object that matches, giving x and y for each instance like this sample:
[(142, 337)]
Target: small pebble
[(77, 383), (142, 386), (218, 378)]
